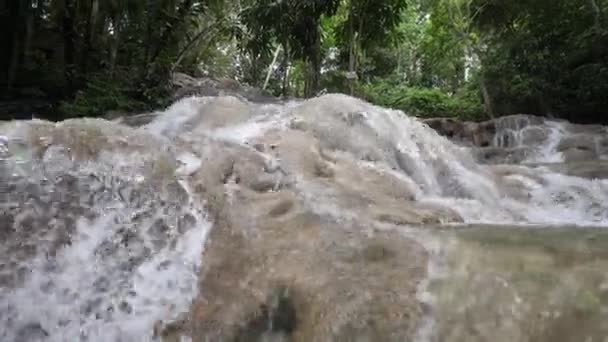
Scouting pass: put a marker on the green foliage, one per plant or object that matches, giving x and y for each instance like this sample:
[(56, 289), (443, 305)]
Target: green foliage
[(427, 57), (76, 51), (548, 57), (117, 92), (372, 21), (425, 102), (293, 24)]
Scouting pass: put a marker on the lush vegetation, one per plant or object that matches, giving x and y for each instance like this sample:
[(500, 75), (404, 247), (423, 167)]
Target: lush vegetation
[(468, 58)]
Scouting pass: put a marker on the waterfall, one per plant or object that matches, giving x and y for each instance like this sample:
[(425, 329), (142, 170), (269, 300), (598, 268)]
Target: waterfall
[(103, 226)]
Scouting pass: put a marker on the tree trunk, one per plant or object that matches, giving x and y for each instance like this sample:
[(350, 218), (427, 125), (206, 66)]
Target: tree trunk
[(114, 49), (285, 67), (14, 61), (15, 18), (596, 12), (271, 66), (6, 27), (149, 21), (544, 106), (29, 33), (351, 53), (311, 85), (254, 70), (285, 91), (69, 37), (307, 80), (89, 36), (487, 99)]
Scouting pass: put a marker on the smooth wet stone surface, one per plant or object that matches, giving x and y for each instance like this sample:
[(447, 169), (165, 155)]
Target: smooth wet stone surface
[(506, 283), (468, 283), (597, 169)]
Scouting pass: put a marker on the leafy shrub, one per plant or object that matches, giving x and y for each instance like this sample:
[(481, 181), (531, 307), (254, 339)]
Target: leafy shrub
[(425, 102), (120, 91)]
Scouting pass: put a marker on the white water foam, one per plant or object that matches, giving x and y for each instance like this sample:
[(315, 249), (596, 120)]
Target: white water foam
[(89, 297), (548, 152), (130, 264)]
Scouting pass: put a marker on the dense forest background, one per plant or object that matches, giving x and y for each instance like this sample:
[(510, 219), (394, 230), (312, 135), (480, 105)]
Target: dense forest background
[(470, 59)]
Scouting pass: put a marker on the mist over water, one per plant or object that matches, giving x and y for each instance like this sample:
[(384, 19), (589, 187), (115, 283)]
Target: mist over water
[(103, 226)]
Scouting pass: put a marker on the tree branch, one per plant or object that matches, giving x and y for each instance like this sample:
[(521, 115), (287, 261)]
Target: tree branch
[(192, 41), (596, 11)]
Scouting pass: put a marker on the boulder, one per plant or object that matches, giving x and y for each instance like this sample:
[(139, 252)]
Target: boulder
[(579, 154), (497, 155), (578, 141), (602, 147), (469, 133), (596, 169), (488, 133), (482, 133), (585, 129), (447, 127), (534, 136), (136, 120)]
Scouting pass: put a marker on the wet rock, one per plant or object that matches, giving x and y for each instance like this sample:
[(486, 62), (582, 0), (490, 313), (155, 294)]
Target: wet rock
[(264, 184), (534, 136), (482, 133), (185, 223), (259, 147), (136, 120), (450, 128), (377, 252), (585, 129), (321, 299), (497, 155), (530, 280), (275, 320), (602, 146), (596, 169), (6, 226), (221, 112), (524, 138), (125, 307), (298, 124), (282, 208), (580, 141), (324, 170), (578, 154), (160, 233), (395, 219), (31, 332)]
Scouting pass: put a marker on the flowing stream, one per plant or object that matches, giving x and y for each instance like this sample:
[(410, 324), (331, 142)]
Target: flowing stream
[(103, 226)]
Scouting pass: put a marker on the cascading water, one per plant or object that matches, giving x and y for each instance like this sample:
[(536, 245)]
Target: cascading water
[(103, 225), (97, 249)]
